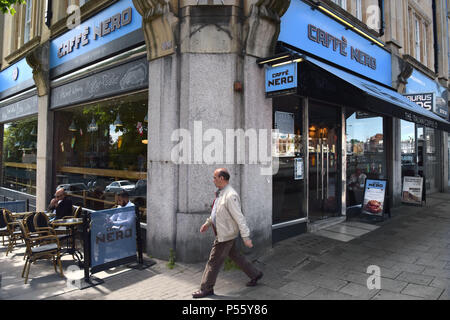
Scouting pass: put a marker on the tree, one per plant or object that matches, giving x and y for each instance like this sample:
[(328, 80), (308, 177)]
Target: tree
[(6, 6)]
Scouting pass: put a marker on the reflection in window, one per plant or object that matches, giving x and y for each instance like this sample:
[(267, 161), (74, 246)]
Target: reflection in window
[(365, 153), (408, 148), (101, 150), (19, 155)]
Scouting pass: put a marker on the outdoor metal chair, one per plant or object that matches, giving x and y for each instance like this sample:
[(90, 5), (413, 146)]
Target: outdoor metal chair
[(13, 233), (40, 245)]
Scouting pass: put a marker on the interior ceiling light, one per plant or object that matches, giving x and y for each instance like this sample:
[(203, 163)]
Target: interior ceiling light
[(118, 123), (72, 127)]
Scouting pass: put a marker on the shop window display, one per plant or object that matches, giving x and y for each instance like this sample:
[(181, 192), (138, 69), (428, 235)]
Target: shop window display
[(19, 155), (101, 150), (366, 158)]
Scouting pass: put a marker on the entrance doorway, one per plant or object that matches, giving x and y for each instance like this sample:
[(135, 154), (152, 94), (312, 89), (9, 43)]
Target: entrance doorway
[(324, 162)]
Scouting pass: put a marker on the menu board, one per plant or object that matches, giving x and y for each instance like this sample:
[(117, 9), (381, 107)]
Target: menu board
[(374, 197), (412, 190)]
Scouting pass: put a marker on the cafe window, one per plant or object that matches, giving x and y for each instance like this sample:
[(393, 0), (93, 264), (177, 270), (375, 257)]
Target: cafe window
[(432, 158), (101, 150), (366, 158), (19, 155), (408, 148)]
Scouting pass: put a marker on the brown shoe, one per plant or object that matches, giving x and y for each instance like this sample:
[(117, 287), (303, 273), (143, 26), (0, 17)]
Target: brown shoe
[(202, 294), (254, 281)]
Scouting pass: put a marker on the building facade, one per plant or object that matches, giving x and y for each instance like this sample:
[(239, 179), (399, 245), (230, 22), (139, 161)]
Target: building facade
[(152, 96)]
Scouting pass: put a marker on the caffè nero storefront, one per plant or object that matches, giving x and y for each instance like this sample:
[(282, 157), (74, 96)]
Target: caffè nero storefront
[(99, 95), (333, 109), (99, 103)]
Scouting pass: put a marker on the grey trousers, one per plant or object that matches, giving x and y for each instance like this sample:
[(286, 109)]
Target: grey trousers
[(219, 252)]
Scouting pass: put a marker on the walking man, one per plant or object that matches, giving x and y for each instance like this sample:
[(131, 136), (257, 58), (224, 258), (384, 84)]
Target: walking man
[(227, 221)]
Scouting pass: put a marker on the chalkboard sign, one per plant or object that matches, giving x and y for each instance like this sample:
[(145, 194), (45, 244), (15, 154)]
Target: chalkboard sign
[(374, 197)]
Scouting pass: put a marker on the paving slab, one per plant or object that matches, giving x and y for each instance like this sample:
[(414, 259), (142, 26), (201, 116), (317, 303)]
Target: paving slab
[(359, 291), (415, 278), (426, 292), (388, 295)]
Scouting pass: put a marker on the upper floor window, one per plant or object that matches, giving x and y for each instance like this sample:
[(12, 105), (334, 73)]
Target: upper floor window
[(27, 26), (341, 3), (358, 8), (417, 39)]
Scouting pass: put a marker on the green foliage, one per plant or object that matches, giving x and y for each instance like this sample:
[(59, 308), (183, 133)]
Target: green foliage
[(18, 139), (6, 6), (171, 263)]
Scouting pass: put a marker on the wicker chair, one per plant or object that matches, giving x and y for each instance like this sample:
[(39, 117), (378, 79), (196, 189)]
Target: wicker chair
[(76, 212), (41, 223), (37, 250), (3, 227), (13, 233)]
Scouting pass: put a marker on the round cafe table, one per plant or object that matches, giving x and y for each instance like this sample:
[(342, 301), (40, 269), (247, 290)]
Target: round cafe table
[(70, 223)]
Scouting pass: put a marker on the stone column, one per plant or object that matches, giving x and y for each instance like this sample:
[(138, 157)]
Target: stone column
[(38, 61), (204, 80)]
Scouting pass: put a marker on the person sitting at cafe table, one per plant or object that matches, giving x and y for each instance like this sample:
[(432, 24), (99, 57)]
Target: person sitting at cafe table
[(60, 204), (124, 200), (122, 218)]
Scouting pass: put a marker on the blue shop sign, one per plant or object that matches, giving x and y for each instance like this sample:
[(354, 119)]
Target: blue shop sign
[(314, 32), (111, 24), (281, 78), (15, 75), (417, 87)]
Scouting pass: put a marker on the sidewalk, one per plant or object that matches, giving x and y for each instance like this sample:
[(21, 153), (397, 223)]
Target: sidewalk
[(412, 250)]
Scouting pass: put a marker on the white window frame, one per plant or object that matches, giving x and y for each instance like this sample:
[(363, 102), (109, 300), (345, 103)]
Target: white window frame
[(341, 3), (425, 45), (359, 9), (27, 24), (417, 38)]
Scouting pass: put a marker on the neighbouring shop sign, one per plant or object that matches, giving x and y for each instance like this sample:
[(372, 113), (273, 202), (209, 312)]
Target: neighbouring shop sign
[(412, 190), (425, 100), (281, 79), (113, 236), (114, 29), (15, 78), (427, 93), (313, 31), (374, 197)]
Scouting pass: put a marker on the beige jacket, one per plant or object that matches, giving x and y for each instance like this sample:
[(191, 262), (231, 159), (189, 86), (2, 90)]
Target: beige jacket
[(229, 218)]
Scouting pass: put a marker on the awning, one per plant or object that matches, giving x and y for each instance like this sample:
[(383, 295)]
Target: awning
[(386, 101)]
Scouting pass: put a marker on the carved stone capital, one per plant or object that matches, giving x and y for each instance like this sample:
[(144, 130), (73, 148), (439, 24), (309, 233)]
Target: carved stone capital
[(263, 25), (37, 59), (159, 23)]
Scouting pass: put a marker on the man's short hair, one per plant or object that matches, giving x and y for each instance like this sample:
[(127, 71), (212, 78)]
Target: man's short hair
[(224, 174), (124, 194)]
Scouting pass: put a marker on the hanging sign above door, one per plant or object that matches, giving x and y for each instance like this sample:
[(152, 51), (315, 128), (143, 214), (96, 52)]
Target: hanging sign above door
[(281, 80)]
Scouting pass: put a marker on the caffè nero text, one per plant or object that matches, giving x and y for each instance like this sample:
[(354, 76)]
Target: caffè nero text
[(340, 45), (105, 27), (113, 235)]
